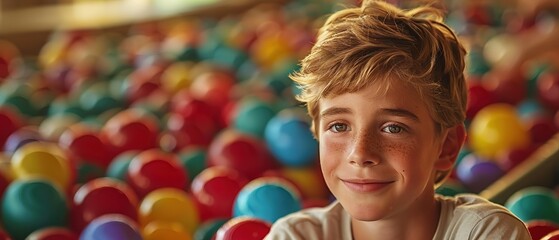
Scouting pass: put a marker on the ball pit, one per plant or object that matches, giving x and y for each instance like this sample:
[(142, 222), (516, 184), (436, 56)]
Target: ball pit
[(153, 113)]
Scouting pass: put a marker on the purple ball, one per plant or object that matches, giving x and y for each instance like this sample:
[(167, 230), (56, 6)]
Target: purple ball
[(21, 137), (477, 174), (111, 227)]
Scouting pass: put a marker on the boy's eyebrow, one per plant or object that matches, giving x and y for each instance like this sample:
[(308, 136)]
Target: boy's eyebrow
[(401, 112), (390, 111), (334, 111)]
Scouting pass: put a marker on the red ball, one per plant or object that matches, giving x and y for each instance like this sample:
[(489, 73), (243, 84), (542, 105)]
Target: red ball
[(242, 152), (131, 129), (511, 158), (143, 82), (542, 128), (83, 141), (196, 112), (10, 121), (245, 228), (153, 169), (507, 88), (548, 89), (99, 197), (213, 87), (479, 97), (216, 189), (539, 228), (53, 233), (186, 133)]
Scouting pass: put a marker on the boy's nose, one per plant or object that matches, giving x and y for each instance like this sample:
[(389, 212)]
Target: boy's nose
[(364, 151)]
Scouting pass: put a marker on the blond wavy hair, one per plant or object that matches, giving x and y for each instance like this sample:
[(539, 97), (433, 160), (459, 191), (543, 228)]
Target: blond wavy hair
[(380, 42)]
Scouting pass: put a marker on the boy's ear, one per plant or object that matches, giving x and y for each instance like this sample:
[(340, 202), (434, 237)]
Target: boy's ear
[(452, 143)]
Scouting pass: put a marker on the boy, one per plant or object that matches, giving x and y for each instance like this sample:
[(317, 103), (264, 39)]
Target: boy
[(386, 92)]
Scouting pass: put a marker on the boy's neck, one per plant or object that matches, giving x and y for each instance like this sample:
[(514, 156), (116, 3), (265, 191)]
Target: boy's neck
[(420, 221)]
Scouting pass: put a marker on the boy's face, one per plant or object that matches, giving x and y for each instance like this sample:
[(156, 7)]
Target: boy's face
[(379, 152)]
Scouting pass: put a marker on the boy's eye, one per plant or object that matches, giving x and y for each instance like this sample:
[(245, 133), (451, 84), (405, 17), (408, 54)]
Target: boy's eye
[(393, 129), (338, 127)]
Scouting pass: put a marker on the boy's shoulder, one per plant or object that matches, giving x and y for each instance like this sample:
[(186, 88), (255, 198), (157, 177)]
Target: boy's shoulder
[(313, 223), (469, 216)]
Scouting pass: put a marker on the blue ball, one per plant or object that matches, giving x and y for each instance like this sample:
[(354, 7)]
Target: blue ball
[(290, 140), (268, 199), (534, 203), (111, 227)]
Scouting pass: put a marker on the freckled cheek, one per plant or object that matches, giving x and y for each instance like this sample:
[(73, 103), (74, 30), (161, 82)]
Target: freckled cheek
[(331, 153), (403, 157)]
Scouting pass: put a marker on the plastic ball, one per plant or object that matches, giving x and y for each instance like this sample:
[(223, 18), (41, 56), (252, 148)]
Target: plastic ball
[(539, 228), (242, 152), (111, 227), (477, 174), (118, 168), (33, 204), (496, 128), (52, 127), (208, 229), (131, 130), (45, 160), (21, 137), (153, 169), (216, 189), (194, 112), (548, 89), (53, 233), (511, 158), (10, 121), (451, 188), (289, 138), (184, 133), (193, 160), (252, 115), (245, 228), (267, 198), (9, 59), (480, 97), (165, 231), (534, 203), (307, 180), (171, 206), (500, 47), (541, 128), (102, 196), (177, 76), (213, 87), (84, 142)]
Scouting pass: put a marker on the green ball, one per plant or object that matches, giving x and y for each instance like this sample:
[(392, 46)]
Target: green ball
[(194, 161), (252, 117), (118, 167), (207, 230), (477, 63), (534, 203), (451, 188), (32, 204)]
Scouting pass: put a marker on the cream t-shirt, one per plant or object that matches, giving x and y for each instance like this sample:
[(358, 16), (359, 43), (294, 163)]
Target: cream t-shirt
[(465, 216)]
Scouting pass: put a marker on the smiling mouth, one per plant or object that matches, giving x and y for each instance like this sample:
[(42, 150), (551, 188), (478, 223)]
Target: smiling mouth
[(366, 186)]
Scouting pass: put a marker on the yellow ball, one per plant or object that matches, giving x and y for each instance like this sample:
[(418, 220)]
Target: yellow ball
[(496, 128), (177, 76), (169, 205), (308, 180), (165, 231), (42, 160)]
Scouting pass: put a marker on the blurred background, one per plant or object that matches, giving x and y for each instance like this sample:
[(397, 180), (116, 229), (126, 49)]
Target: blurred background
[(176, 119)]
